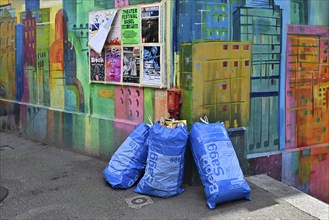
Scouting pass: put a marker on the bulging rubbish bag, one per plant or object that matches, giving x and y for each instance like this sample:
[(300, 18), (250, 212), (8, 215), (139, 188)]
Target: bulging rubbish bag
[(129, 161), (165, 162), (217, 163)]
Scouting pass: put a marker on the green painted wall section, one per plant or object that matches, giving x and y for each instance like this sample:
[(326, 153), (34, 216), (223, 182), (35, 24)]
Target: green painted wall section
[(148, 104), (102, 101)]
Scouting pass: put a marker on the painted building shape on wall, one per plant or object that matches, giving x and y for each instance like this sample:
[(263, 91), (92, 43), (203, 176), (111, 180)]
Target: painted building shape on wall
[(261, 25), (7, 54), (210, 21), (56, 60), (28, 21), (221, 81), (307, 86), (298, 11), (43, 47), (31, 5)]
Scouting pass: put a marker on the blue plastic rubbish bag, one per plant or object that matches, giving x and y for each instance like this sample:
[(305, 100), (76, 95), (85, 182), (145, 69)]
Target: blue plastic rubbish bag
[(129, 161), (217, 163), (165, 162)]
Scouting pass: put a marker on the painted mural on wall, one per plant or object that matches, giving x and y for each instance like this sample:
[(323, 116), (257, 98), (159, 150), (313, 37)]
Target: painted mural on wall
[(51, 69), (256, 64), (250, 90)]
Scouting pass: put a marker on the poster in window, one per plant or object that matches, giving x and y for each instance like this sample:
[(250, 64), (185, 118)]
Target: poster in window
[(113, 64), (97, 66), (130, 26), (151, 65), (131, 64), (114, 37), (150, 24), (96, 19)]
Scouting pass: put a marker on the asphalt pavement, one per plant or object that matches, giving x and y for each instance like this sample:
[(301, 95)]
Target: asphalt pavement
[(47, 182)]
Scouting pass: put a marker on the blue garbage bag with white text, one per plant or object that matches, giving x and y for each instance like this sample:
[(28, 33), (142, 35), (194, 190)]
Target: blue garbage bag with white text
[(129, 161), (217, 164), (165, 162)]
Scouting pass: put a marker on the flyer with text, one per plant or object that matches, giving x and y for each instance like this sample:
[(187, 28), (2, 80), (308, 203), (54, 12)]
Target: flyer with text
[(130, 26)]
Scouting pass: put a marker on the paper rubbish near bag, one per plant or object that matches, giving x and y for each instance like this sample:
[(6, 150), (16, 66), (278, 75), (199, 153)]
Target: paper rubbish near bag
[(217, 164), (129, 161), (165, 162)]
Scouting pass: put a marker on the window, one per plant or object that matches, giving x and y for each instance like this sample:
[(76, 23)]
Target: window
[(246, 63), (225, 64), (225, 47), (302, 56), (235, 47), (235, 63)]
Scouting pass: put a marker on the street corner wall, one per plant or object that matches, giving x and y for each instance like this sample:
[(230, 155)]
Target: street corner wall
[(46, 89), (262, 66)]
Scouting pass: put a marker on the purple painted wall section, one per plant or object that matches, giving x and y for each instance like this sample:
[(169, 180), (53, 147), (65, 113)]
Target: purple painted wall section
[(271, 165)]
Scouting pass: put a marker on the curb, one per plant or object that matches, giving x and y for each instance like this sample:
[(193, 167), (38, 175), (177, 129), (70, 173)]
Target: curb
[(293, 196)]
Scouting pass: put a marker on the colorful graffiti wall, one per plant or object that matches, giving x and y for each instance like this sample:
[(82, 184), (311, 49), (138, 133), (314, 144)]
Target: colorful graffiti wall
[(259, 66), (45, 84), (262, 65)]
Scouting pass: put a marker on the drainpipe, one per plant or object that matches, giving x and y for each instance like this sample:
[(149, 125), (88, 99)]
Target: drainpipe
[(174, 39)]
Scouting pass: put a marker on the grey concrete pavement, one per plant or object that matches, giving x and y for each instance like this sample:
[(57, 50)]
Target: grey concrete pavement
[(46, 182)]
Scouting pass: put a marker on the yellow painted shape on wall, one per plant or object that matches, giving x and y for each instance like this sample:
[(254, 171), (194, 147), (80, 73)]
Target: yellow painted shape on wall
[(4, 2), (199, 71), (215, 50), (18, 5), (105, 93), (53, 11), (221, 81), (240, 114), (57, 89), (56, 67), (206, 51)]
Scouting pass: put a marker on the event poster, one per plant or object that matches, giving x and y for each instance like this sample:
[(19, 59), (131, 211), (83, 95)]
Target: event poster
[(97, 66), (114, 37), (113, 64), (151, 65), (130, 26), (97, 18), (131, 64), (150, 24)]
